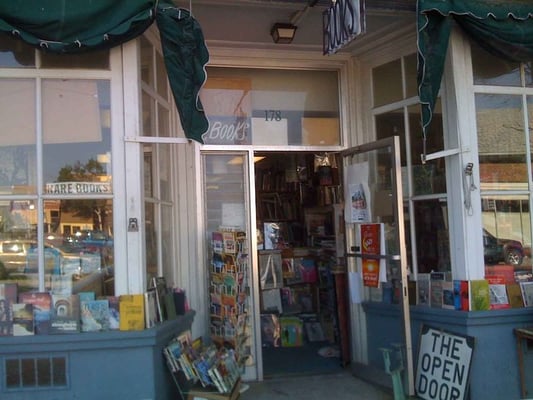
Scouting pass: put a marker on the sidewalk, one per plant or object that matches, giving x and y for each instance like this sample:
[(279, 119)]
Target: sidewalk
[(337, 386)]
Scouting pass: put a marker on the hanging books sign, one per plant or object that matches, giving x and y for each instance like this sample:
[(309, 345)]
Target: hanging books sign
[(372, 243)]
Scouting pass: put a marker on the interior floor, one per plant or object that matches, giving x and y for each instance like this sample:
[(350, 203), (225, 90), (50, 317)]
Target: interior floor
[(314, 358)]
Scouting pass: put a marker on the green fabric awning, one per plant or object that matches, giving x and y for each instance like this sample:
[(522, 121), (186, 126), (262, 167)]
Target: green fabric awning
[(75, 26), (502, 27)]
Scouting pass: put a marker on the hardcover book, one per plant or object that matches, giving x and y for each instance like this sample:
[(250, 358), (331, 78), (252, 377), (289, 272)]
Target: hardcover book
[(479, 295), (65, 316), (95, 316), (131, 308), (22, 319), (42, 309)]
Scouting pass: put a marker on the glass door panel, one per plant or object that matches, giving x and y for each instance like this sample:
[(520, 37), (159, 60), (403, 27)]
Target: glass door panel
[(226, 193)]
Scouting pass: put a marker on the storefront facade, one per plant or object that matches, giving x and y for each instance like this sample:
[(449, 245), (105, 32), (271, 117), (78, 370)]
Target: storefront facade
[(94, 144)]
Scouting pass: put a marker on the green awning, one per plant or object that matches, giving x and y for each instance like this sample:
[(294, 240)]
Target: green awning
[(502, 27), (75, 26)]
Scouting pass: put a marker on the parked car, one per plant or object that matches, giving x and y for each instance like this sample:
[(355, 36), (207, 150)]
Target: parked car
[(13, 254), (498, 250)]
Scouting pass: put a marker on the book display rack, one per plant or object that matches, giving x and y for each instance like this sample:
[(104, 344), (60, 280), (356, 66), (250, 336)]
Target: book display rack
[(229, 292), (202, 371)]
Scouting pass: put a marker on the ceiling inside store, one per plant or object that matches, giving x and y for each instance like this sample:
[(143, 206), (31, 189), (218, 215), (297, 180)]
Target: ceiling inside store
[(247, 23)]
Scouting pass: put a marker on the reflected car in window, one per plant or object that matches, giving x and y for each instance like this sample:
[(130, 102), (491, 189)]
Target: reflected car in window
[(497, 250), (13, 254), (64, 260)]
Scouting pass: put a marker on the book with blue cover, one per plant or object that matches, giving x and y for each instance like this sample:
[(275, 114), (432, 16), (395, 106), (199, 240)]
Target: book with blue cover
[(95, 316)]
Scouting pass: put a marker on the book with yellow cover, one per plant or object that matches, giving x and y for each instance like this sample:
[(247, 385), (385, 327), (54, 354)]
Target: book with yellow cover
[(131, 309)]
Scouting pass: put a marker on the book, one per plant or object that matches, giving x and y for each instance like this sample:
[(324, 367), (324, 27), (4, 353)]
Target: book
[(479, 295), (22, 319), (514, 293), (448, 300), (423, 289), (436, 283), (170, 305), (65, 316), (527, 293), (131, 309), (498, 292), (460, 294), (150, 308), (8, 297), (42, 309), (159, 283), (114, 312), (86, 296), (291, 331), (94, 316)]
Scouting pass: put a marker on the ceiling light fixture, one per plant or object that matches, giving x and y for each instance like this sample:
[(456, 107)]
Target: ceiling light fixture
[(283, 32)]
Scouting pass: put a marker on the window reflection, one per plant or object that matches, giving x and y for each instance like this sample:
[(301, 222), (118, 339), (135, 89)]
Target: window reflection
[(77, 135), (15, 53), (491, 70), (432, 240), (77, 246), (506, 231), (501, 141)]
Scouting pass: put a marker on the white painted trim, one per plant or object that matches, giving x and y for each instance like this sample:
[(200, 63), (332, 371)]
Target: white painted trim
[(133, 204)]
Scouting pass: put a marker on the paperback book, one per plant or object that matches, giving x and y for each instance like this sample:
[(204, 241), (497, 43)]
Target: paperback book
[(527, 293), (8, 297), (65, 316), (479, 295), (514, 293), (42, 309), (95, 316), (22, 319), (131, 308), (498, 293)]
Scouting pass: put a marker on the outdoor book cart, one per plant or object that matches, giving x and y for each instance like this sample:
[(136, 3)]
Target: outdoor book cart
[(208, 374)]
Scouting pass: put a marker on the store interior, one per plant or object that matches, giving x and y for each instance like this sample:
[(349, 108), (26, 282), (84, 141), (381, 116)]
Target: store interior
[(301, 264)]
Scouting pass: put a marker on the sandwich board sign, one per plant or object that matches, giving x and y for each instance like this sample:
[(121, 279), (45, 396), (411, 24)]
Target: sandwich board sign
[(443, 367)]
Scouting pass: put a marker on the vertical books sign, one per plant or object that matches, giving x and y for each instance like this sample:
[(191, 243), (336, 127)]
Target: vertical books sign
[(372, 244)]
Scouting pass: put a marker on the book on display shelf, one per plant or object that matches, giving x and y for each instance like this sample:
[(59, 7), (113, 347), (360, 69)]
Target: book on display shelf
[(65, 314), (95, 315), (23, 319), (131, 309), (150, 308), (8, 297), (42, 309)]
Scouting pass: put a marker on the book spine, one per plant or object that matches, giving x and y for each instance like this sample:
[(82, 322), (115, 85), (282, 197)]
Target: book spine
[(214, 378)]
